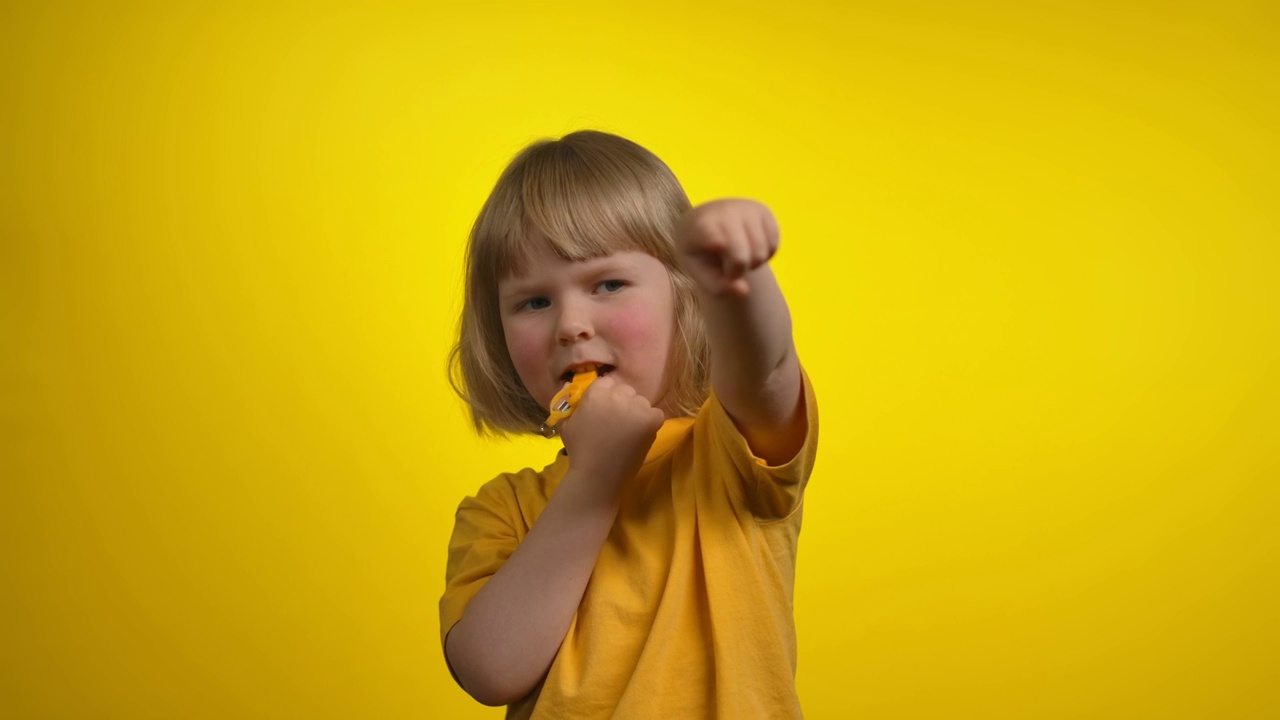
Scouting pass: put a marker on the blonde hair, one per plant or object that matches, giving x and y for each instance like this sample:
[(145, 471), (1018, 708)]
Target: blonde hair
[(588, 194)]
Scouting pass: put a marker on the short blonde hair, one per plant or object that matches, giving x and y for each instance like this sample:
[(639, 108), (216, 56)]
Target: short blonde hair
[(588, 194)]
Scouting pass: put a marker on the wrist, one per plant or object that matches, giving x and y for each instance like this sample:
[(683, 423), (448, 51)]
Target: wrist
[(591, 486)]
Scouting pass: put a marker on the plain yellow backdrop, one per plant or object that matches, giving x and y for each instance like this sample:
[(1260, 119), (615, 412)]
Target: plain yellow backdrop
[(1031, 249)]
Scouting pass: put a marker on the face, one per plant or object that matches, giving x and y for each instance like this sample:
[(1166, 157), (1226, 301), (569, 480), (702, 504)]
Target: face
[(616, 312)]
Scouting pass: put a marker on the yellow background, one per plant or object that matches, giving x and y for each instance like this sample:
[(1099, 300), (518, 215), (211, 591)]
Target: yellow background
[(1031, 250)]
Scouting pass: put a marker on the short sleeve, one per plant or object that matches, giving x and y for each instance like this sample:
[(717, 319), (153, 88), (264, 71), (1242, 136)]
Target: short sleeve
[(484, 537), (769, 492)]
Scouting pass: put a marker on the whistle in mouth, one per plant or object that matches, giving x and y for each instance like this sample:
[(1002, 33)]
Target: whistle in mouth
[(566, 401)]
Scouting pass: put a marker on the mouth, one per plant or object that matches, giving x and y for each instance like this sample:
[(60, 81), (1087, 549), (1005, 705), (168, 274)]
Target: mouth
[(601, 370)]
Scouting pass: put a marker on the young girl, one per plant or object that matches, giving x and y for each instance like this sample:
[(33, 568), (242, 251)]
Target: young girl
[(647, 572)]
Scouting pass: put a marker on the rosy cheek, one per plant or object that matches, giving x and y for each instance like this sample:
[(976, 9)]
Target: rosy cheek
[(638, 327), (628, 327), (526, 354)]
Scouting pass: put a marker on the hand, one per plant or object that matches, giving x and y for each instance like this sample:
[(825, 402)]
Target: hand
[(611, 431), (721, 241)]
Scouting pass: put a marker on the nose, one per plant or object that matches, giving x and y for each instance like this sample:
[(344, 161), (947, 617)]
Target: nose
[(574, 323)]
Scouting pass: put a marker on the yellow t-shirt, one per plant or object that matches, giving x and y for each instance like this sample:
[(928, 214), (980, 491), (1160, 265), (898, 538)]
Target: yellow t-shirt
[(688, 613)]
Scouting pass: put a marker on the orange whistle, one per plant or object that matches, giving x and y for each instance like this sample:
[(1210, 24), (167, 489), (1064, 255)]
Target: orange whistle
[(565, 401)]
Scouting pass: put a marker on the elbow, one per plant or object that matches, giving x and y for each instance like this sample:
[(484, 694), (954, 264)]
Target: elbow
[(492, 690), (484, 679)]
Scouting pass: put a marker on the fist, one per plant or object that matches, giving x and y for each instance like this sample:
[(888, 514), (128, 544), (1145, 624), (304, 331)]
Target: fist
[(721, 241), (611, 431)]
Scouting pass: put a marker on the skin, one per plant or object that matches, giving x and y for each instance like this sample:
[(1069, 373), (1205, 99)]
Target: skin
[(512, 630), (617, 310)]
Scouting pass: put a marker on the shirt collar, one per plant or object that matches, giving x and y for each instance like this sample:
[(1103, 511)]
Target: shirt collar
[(670, 434)]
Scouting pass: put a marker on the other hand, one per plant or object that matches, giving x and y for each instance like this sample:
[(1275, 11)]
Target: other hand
[(611, 431)]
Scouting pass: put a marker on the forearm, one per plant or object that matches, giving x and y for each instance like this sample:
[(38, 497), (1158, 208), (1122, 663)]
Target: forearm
[(512, 629), (749, 335), (754, 368)]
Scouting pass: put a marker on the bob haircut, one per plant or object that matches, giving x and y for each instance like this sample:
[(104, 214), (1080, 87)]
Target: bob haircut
[(587, 195)]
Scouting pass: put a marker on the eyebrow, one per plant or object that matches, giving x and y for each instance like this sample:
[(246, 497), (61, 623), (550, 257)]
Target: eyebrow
[(520, 287), (604, 265)]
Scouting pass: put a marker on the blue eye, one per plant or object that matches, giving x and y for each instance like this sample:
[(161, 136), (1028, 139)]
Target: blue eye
[(535, 303), (612, 286)]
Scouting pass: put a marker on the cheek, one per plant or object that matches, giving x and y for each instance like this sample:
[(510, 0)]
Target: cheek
[(526, 351), (641, 328)]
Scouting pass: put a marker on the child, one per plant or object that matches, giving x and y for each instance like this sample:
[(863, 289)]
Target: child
[(648, 571)]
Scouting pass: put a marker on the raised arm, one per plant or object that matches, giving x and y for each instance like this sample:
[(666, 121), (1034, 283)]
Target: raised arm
[(725, 245)]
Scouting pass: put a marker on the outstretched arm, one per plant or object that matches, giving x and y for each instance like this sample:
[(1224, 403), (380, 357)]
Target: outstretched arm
[(725, 245)]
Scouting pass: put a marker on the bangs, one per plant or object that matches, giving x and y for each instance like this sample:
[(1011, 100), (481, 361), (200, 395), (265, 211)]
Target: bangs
[(582, 205)]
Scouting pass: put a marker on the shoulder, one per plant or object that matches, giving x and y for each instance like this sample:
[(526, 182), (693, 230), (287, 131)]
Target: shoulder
[(770, 490), (512, 498)]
